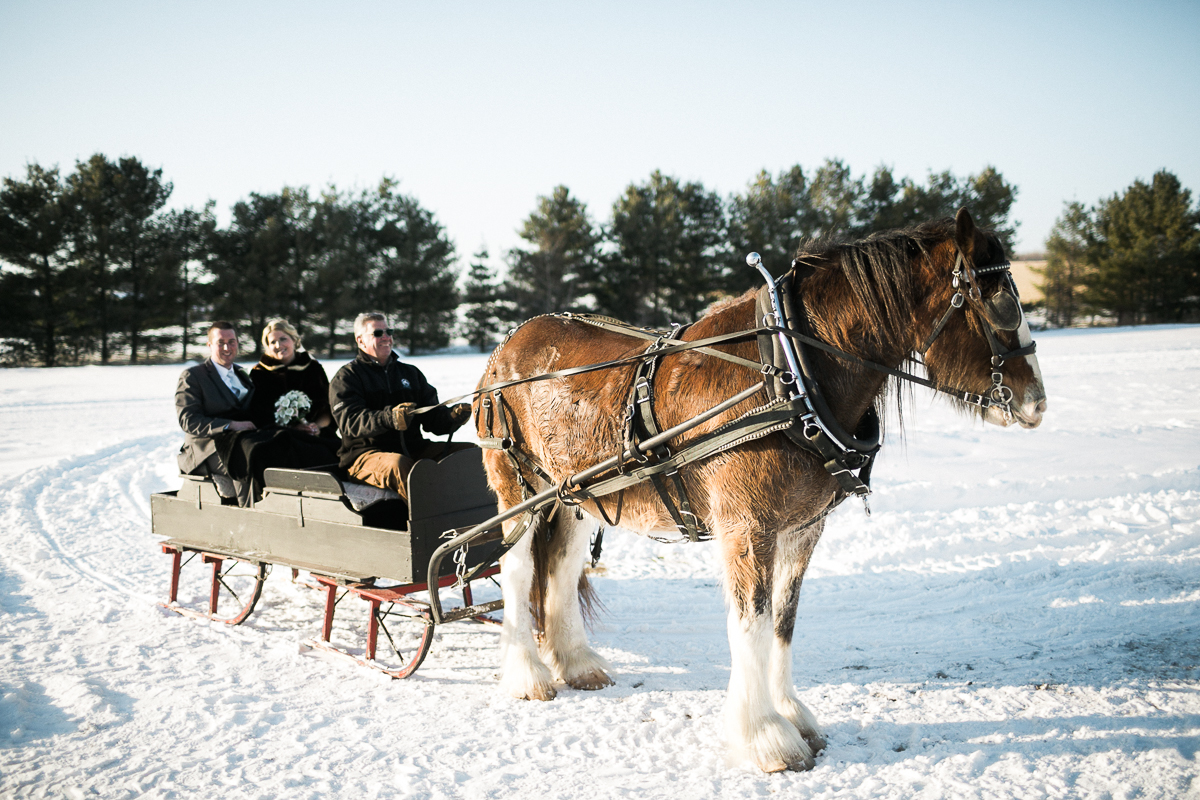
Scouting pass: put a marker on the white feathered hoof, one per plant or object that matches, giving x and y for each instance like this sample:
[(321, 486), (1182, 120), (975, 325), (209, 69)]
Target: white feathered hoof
[(581, 668), (591, 681), (526, 679), (798, 714), (776, 745)]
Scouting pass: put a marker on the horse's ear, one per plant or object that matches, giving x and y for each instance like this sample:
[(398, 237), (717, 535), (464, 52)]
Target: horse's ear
[(964, 232)]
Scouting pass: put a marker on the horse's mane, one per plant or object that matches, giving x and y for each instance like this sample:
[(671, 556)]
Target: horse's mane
[(878, 276), (878, 271)]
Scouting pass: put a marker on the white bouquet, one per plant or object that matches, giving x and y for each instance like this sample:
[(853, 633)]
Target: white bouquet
[(292, 408)]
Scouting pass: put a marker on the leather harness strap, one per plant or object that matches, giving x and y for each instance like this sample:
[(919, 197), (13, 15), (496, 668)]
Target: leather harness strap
[(640, 425)]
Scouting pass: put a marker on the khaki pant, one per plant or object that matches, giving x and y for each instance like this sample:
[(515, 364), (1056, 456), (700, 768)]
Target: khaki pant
[(390, 470)]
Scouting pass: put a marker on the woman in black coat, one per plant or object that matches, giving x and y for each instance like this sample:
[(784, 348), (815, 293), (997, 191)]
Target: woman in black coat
[(282, 370), (302, 444)]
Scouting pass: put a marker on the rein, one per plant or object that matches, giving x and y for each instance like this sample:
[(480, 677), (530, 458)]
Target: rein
[(798, 410)]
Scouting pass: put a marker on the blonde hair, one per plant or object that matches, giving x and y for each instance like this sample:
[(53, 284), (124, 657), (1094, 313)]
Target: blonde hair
[(280, 324)]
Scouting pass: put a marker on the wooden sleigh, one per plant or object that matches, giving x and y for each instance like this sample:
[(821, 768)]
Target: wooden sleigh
[(374, 547)]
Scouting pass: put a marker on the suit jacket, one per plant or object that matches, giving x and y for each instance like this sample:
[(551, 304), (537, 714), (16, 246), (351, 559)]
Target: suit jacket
[(205, 405)]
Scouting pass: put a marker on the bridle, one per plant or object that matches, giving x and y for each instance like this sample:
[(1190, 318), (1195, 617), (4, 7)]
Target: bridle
[(1001, 311)]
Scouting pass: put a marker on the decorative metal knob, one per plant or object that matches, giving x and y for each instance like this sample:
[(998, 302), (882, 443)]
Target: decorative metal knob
[(753, 260)]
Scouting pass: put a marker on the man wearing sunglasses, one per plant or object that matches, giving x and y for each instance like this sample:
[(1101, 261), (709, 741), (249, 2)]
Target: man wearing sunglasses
[(373, 399)]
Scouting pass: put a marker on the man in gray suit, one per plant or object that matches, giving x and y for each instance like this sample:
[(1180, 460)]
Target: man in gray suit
[(210, 398)]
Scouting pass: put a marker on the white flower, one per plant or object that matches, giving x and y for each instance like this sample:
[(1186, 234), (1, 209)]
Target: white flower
[(292, 408)]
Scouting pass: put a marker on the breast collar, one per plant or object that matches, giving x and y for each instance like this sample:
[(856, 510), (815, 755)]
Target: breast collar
[(848, 457)]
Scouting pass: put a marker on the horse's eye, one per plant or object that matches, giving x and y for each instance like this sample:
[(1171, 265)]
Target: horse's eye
[(1003, 311)]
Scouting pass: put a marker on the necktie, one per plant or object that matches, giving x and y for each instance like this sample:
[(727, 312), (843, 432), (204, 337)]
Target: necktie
[(235, 385)]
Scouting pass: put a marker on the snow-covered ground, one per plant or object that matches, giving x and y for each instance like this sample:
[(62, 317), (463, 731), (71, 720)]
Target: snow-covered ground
[(1019, 618)]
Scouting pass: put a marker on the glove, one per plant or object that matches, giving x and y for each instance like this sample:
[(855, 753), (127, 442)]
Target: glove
[(460, 414), (402, 415)]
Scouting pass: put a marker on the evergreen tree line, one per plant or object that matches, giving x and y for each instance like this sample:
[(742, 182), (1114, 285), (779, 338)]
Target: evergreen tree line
[(1134, 256), (94, 267), (670, 248)]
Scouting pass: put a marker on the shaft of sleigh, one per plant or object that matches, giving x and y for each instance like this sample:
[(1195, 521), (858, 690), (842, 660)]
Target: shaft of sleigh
[(550, 495)]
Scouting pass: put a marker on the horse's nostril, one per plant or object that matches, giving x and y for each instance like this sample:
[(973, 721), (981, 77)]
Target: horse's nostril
[(1040, 407)]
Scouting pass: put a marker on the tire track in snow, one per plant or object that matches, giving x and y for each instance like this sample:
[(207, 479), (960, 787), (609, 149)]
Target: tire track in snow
[(72, 511)]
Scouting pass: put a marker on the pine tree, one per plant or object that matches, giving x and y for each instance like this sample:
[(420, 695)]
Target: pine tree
[(481, 306), (344, 226), (35, 223), (414, 279), (669, 241), (772, 218), (551, 272), (1147, 262), (181, 249), (1069, 250)]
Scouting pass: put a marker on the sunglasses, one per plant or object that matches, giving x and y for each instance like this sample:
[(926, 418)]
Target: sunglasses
[(382, 332)]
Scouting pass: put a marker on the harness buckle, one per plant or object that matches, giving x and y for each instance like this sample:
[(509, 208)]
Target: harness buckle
[(957, 300), (974, 399), (787, 378)]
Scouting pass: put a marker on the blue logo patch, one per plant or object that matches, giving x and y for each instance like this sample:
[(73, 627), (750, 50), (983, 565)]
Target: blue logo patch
[(404, 382)]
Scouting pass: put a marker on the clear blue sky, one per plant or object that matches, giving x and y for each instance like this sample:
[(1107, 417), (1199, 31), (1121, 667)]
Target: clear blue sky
[(479, 107)]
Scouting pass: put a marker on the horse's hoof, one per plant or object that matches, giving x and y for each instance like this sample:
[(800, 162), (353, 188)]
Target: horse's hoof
[(803, 765), (537, 693), (777, 746), (815, 742), (591, 681)]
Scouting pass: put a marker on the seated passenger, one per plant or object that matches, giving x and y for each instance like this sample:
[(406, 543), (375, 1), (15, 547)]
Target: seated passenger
[(373, 399), (285, 368), (212, 398)]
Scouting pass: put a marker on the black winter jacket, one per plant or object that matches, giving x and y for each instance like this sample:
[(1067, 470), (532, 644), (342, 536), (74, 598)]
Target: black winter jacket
[(361, 396), (272, 380)]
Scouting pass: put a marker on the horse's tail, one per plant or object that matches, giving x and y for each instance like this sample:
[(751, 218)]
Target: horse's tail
[(549, 537)]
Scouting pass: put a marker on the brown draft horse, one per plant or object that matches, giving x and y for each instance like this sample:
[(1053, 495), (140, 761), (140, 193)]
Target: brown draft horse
[(879, 298)]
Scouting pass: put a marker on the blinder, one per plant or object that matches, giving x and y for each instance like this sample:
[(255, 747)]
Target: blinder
[(1003, 311)]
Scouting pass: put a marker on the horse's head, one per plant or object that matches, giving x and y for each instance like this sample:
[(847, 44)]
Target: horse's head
[(983, 346)]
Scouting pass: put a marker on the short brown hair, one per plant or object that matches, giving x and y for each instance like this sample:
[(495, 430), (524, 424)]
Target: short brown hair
[(221, 325)]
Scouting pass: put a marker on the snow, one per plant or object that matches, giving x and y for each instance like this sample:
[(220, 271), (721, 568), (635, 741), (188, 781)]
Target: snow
[(1019, 618)]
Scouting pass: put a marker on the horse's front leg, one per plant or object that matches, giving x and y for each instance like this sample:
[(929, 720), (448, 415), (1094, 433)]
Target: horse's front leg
[(522, 673), (792, 554), (564, 643), (753, 723)]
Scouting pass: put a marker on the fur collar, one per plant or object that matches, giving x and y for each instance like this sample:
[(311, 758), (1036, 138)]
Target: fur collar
[(302, 360)]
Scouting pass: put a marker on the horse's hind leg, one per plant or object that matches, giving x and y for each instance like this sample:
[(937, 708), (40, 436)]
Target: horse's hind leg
[(564, 645), (791, 559), (753, 723)]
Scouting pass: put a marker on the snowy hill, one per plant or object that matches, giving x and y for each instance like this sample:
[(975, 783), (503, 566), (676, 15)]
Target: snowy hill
[(1019, 618)]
